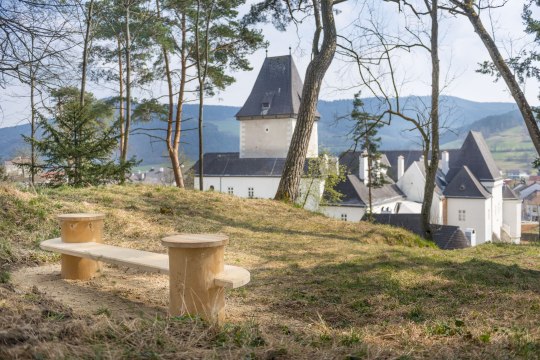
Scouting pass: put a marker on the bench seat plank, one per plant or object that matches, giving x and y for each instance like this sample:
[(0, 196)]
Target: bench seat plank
[(142, 260), (232, 277)]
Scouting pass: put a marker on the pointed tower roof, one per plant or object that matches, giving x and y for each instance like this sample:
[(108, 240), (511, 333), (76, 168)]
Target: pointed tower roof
[(277, 91), (475, 154), (465, 185)]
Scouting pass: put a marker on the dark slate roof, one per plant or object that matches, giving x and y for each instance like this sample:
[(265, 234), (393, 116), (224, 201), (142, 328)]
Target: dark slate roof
[(509, 194), (475, 154), (279, 86), (465, 185), (230, 164), (350, 159), (356, 193), (446, 237)]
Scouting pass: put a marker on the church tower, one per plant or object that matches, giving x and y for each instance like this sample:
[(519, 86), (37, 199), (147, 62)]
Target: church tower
[(268, 117)]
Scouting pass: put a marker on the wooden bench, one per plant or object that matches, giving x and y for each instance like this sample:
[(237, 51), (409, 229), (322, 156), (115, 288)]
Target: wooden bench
[(195, 263)]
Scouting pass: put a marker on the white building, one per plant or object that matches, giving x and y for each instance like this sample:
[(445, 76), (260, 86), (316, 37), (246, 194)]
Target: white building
[(469, 192), (15, 167), (267, 122)]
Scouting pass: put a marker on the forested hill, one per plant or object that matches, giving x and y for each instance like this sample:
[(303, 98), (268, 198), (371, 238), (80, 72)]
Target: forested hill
[(221, 129)]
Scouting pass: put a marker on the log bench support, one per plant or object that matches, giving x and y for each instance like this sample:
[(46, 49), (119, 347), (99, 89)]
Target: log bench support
[(195, 264), (80, 228)]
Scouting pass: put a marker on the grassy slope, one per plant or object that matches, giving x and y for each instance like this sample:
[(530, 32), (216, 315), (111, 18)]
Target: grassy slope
[(320, 287)]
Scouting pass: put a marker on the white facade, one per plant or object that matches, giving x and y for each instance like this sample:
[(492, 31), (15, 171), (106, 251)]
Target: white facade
[(495, 189), (263, 188), (356, 213), (512, 220), (345, 213), (412, 184), (471, 214), (270, 138)]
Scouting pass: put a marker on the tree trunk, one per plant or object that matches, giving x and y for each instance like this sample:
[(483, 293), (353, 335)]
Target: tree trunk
[(201, 75), (32, 129), (173, 142), (128, 87), (201, 151), (121, 95), (432, 166), (296, 156), (179, 178), (85, 50), (504, 70), (370, 187)]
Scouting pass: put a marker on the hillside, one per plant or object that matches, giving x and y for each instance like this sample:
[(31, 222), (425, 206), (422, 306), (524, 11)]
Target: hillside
[(507, 137), (320, 288), (221, 128)]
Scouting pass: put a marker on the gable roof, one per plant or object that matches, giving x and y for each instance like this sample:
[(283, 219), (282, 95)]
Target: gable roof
[(230, 164), (390, 158), (446, 237), (509, 194), (356, 193), (475, 154), (278, 87), (533, 198), (465, 185)]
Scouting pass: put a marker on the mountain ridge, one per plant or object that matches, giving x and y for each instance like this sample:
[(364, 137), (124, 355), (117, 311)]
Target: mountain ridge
[(222, 129)]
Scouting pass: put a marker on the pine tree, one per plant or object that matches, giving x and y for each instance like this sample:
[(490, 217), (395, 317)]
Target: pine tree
[(78, 143), (364, 134)]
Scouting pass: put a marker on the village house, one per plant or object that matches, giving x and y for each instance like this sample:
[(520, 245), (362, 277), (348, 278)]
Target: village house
[(469, 192), (15, 167), (530, 194)]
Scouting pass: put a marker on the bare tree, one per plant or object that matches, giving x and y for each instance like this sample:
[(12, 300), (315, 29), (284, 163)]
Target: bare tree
[(86, 47), (377, 69), (471, 10), (174, 120)]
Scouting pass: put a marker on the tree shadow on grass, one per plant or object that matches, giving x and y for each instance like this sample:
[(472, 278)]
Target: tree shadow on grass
[(364, 290)]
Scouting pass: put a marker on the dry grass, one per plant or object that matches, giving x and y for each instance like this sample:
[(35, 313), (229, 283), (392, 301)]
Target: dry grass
[(320, 288)]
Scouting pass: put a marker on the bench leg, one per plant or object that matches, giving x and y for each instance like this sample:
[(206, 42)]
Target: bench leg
[(76, 268), (78, 229), (191, 283)]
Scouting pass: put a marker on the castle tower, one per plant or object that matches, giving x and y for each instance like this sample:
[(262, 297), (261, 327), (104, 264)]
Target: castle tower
[(268, 117)]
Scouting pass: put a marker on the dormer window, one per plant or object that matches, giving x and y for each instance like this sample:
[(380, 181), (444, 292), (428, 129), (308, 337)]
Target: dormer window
[(264, 108)]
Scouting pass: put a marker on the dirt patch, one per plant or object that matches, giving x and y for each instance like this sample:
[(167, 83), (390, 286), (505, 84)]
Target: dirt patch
[(119, 292)]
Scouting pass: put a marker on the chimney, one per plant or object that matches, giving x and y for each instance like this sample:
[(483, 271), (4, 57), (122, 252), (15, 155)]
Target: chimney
[(400, 166), (363, 167), (445, 163)]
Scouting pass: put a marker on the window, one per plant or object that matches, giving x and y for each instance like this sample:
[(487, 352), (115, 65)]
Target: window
[(230, 190), (461, 215), (343, 217), (250, 192)]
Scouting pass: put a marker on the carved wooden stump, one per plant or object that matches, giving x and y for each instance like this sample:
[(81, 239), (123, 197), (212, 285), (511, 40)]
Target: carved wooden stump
[(80, 228), (194, 262)]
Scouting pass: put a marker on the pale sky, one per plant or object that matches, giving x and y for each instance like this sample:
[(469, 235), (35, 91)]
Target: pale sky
[(460, 52)]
